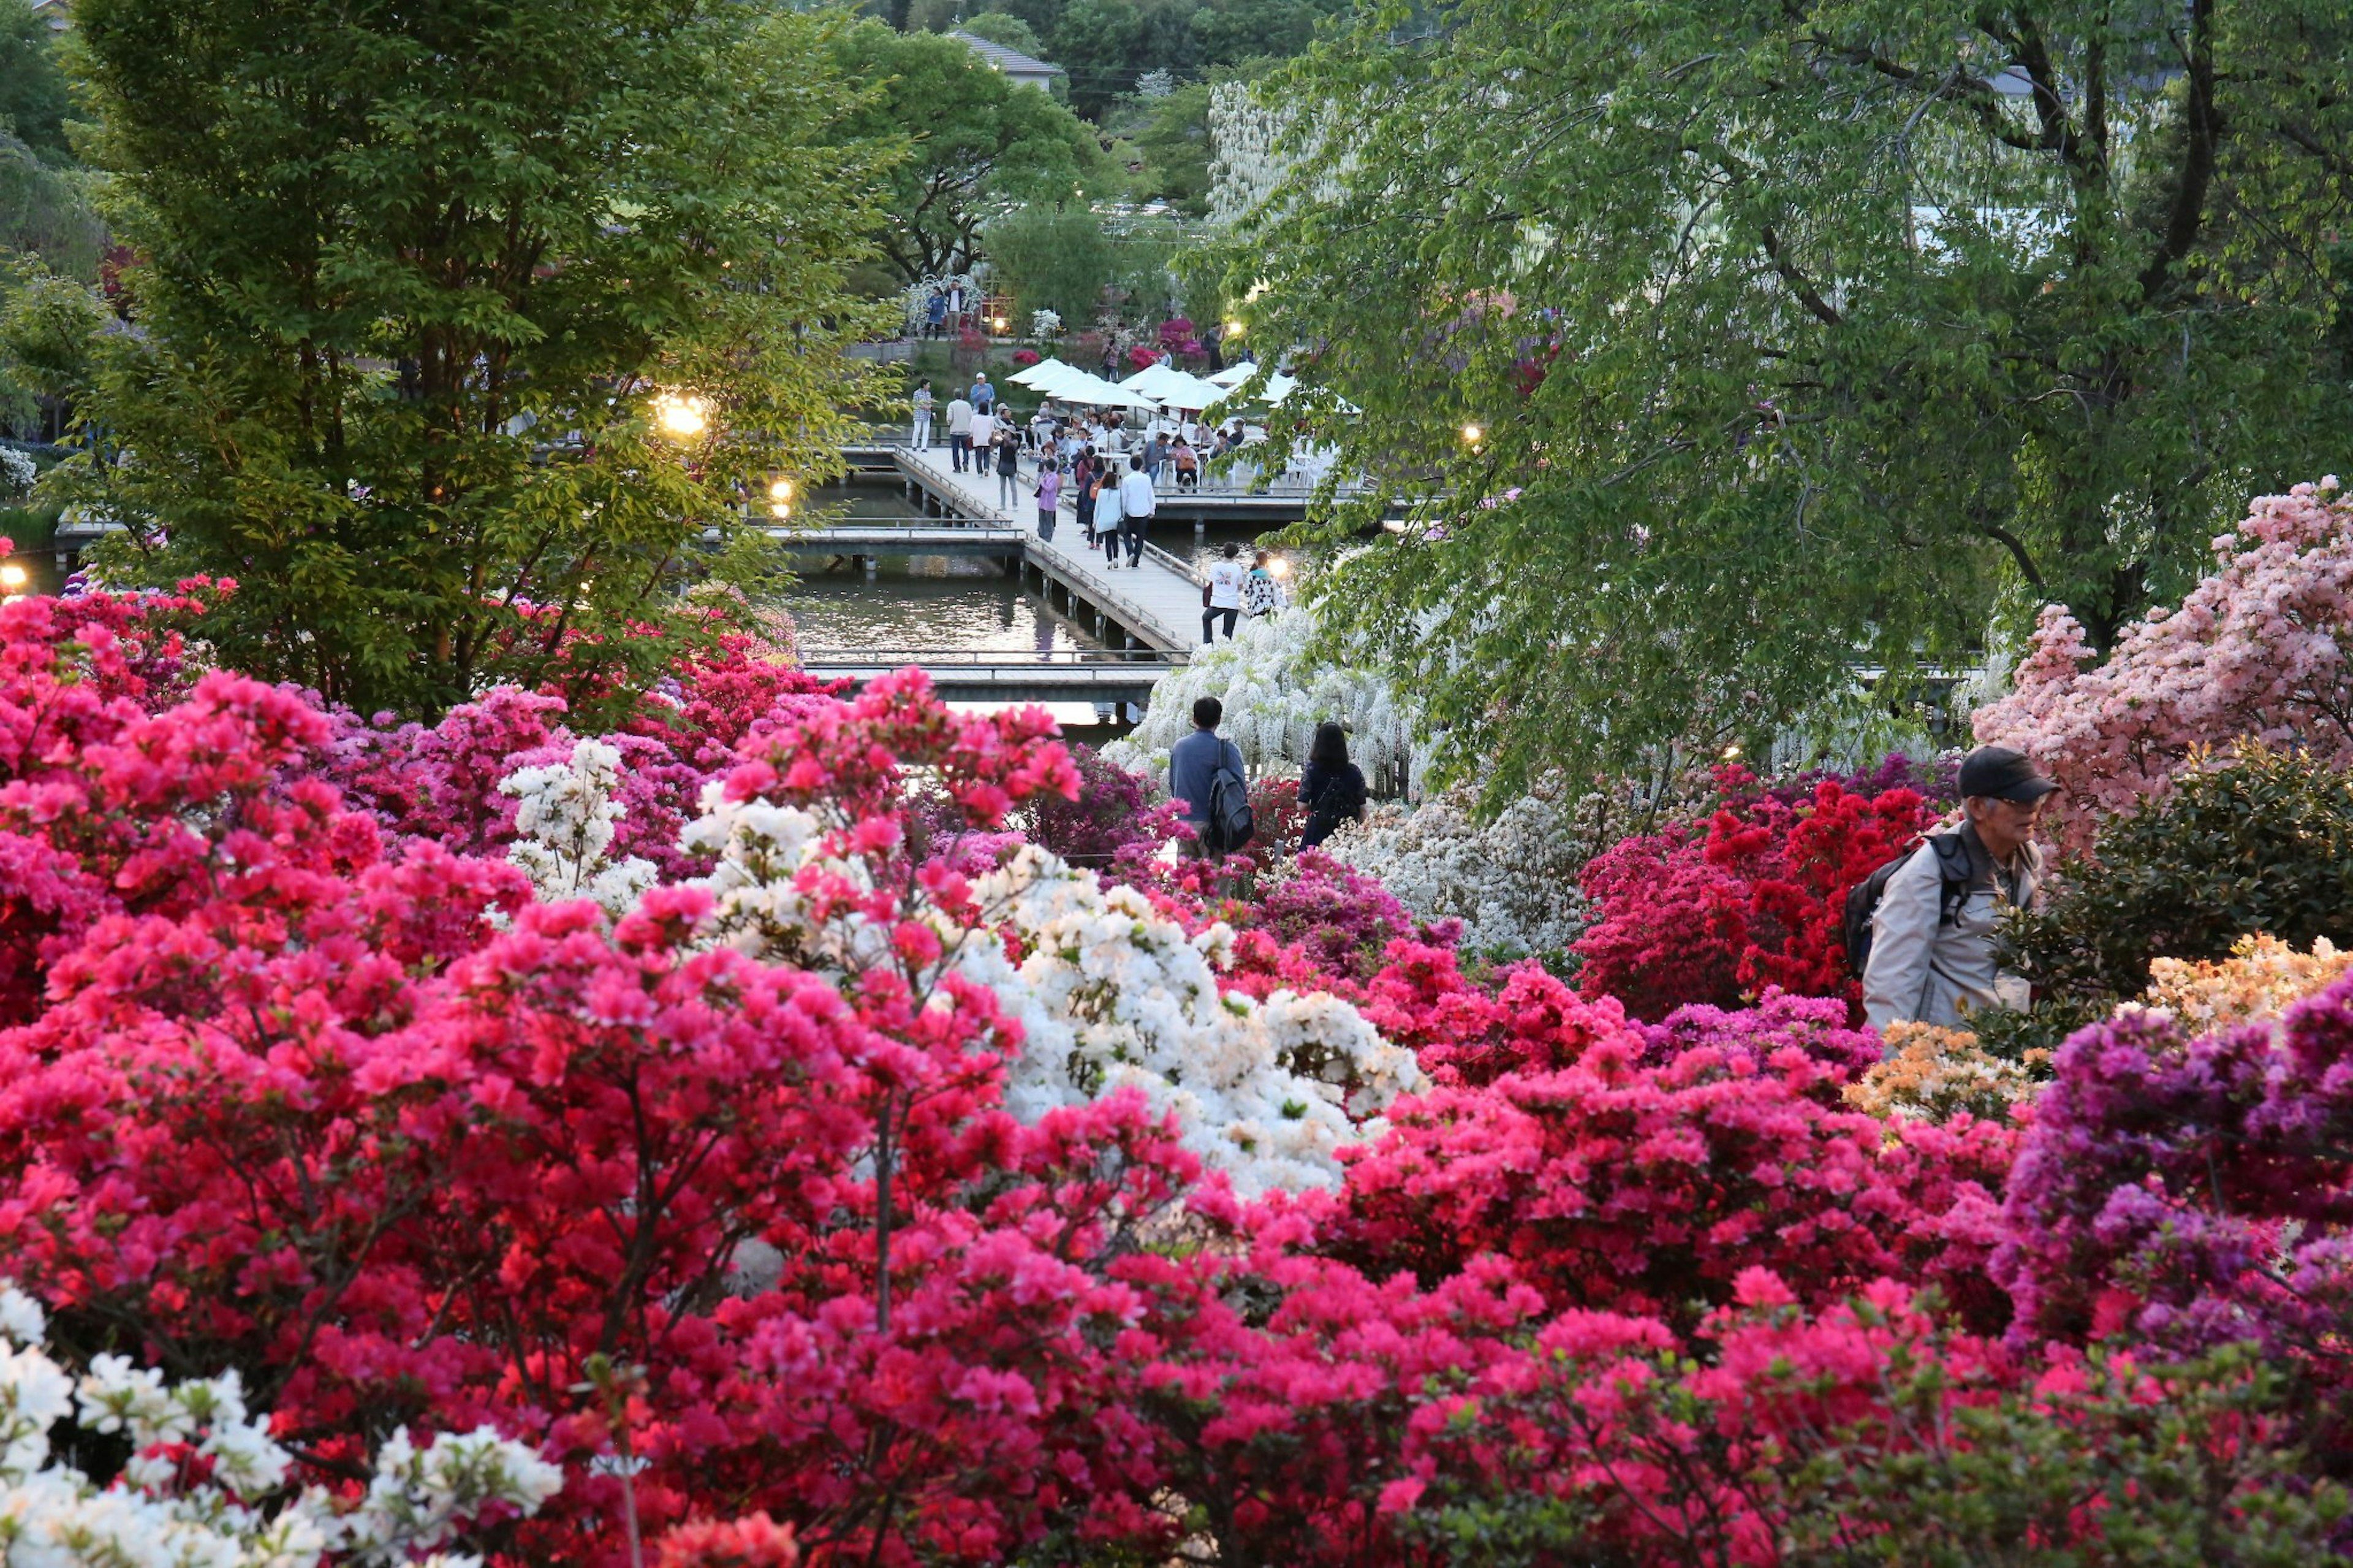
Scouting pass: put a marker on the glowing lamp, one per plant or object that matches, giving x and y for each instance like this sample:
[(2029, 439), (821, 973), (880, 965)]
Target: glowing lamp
[(780, 490), (14, 576), (681, 418), (1473, 434)]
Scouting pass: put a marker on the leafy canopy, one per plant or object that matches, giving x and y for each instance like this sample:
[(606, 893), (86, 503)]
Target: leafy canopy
[(1793, 333), (412, 280), (979, 140)]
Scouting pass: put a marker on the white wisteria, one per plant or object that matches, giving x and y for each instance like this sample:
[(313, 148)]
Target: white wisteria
[(53, 1515), (1274, 693)]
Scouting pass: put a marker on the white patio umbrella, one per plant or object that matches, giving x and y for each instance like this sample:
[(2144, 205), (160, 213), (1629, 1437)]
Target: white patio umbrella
[(1235, 374), (1102, 394), (1039, 374), (1277, 387)]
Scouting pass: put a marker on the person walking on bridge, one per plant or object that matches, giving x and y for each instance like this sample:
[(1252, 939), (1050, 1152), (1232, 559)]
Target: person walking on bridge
[(1107, 514), (1008, 468), (1049, 496), (959, 432), (1136, 505), (1222, 594)]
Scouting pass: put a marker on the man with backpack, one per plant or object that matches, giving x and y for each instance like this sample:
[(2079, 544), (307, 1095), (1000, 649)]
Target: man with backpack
[(1925, 922), (1205, 777)]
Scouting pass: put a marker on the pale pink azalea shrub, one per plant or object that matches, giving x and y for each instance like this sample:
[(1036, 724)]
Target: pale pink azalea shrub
[(2257, 649)]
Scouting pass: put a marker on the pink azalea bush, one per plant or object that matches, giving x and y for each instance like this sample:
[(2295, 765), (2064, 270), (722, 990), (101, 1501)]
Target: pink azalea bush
[(2257, 649)]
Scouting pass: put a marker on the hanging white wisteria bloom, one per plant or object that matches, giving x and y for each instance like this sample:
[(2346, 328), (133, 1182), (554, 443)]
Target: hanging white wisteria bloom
[(565, 822), (54, 1516), (1275, 695)]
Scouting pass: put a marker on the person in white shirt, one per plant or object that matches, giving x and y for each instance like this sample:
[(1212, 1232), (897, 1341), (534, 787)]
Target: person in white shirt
[(1225, 594), (984, 430), (959, 432), (1136, 505)]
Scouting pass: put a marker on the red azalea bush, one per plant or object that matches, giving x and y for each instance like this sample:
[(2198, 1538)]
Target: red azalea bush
[(1755, 897), (1025, 358), (299, 1078)]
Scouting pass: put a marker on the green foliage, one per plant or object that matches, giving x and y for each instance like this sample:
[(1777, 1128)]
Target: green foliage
[(977, 140), (1795, 332), (33, 100), (44, 213), (2185, 1479), (412, 278), (2262, 842), (1173, 134), (1055, 259), (1004, 28)]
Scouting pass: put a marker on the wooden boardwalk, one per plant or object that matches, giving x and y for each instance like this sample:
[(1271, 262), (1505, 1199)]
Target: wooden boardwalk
[(1156, 604)]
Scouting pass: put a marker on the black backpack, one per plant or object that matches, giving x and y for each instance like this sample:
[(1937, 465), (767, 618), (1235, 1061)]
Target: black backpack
[(1952, 864), (1343, 800), (1230, 821)]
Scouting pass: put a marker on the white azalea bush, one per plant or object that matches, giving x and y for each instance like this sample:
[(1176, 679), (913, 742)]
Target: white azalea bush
[(1511, 881), (1274, 694), (564, 821), (1110, 993), (155, 1515)]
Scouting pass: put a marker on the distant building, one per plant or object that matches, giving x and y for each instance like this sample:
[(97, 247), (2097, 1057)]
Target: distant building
[(1021, 68), (58, 14)]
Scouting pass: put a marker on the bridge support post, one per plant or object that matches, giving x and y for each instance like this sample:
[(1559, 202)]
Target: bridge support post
[(873, 565)]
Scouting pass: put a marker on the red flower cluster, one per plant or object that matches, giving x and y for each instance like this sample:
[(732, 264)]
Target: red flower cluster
[(1755, 897)]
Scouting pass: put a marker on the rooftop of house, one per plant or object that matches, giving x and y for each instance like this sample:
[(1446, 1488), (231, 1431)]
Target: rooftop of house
[(1012, 62)]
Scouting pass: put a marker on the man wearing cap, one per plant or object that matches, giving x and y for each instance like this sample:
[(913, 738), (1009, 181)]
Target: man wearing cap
[(1932, 951)]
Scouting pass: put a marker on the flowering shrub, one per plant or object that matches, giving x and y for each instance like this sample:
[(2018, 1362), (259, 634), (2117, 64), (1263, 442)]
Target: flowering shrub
[(1277, 817), (1934, 1075), (2256, 651), (850, 1176), (1143, 356), (1045, 325), (2257, 983), (1510, 882), (2196, 1189), (1756, 898), (1612, 1188), (1025, 358), (201, 1467)]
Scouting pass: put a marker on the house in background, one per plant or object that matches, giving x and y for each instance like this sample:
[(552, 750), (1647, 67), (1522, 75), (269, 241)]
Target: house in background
[(58, 14), (1021, 68)]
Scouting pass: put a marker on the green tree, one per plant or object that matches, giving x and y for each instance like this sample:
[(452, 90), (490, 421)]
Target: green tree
[(1793, 331), (1052, 258), (979, 140), (1003, 27), (414, 279), (33, 101), (1173, 134)]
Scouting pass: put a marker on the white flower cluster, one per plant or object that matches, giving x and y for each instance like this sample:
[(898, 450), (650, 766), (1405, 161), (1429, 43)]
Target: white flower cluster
[(1275, 695), (1110, 995), (17, 472), (565, 819), (53, 1516), (1511, 881), (1045, 324)]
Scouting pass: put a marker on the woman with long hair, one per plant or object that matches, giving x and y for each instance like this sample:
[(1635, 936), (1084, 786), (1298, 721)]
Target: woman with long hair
[(1332, 788)]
